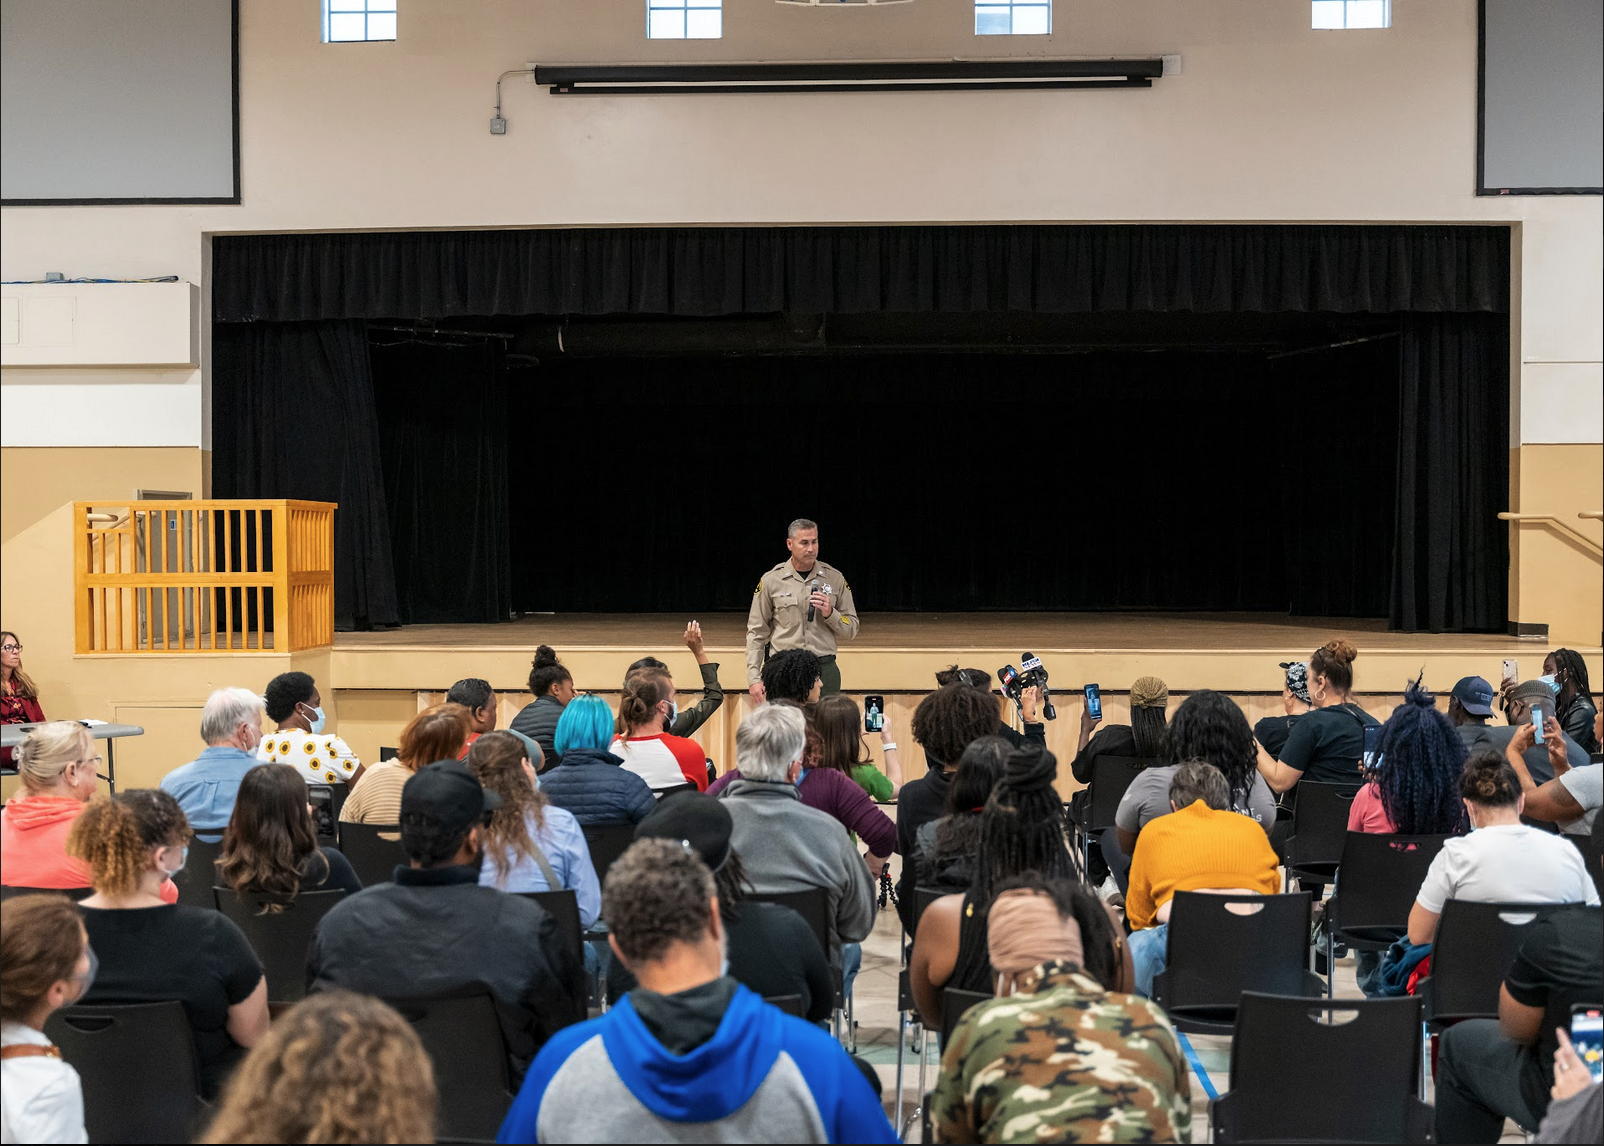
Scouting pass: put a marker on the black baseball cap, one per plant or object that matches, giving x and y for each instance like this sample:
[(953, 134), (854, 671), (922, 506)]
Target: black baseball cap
[(446, 795), (1475, 695), (693, 818)]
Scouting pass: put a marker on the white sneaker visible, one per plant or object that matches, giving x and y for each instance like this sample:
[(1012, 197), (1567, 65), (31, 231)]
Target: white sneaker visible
[(1110, 893)]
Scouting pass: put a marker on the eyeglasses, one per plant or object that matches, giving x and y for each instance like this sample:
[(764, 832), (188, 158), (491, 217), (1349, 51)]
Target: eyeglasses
[(10, 648), (96, 760)]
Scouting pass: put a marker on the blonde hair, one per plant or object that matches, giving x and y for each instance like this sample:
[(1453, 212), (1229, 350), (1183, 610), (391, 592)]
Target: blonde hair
[(336, 1067), (115, 834), (45, 754)]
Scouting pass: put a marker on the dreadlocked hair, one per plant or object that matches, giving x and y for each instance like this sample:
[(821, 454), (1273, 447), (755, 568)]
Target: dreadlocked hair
[(1099, 957), (1209, 726), (114, 835), (1147, 729), (1420, 759), (1570, 662), (1022, 826), (497, 762), (951, 719)]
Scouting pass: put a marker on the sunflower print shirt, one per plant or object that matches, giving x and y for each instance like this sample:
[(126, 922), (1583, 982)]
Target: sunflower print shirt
[(321, 759)]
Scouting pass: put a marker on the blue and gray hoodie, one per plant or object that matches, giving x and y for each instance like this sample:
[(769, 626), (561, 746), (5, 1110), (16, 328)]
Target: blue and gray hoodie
[(764, 1076)]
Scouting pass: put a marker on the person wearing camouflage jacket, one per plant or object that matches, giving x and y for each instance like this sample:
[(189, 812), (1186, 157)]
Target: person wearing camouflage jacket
[(1062, 1060)]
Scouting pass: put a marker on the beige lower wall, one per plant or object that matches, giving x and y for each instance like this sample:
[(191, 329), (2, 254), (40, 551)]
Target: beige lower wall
[(36, 480), (1553, 580)]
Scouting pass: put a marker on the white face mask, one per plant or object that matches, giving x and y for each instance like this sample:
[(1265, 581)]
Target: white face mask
[(673, 715)]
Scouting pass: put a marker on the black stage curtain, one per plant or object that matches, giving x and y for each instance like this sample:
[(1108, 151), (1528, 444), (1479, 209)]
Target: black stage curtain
[(293, 417), (730, 270), (442, 412), (1452, 556)]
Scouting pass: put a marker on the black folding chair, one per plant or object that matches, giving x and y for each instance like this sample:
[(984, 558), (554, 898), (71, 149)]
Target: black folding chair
[(195, 881), (1319, 827), (460, 1031), (1472, 952), (674, 790), (606, 843), (908, 1010), (1377, 882), (1223, 945), (279, 937), (1316, 1070), (1111, 776), (373, 857), (955, 1004), (139, 1068), (563, 906), (790, 1004), (73, 893), (813, 905)]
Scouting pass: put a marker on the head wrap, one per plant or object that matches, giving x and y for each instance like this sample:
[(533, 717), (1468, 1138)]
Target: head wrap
[(1298, 679), (1149, 692), (1024, 929)]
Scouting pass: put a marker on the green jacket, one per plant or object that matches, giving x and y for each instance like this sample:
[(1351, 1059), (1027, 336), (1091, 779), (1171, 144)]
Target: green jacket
[(689, 720)]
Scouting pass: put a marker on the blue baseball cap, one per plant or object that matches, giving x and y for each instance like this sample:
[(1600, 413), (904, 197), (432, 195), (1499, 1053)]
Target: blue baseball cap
[(1475, 696)]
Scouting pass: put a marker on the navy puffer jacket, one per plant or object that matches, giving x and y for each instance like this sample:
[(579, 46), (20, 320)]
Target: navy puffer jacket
[(592, 784)]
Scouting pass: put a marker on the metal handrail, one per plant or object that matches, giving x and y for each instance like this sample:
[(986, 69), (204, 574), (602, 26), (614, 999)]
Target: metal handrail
[(1558, 526)]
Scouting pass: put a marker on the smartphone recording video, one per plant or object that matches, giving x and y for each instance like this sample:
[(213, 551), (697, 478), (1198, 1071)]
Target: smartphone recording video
[(874, 713)]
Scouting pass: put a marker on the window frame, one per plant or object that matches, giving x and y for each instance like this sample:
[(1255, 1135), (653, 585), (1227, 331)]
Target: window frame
[(1347, 7), (684, 8), (1012, 6), (369, 9)]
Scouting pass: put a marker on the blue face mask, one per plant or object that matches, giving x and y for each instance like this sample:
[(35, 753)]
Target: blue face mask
[(1551, 682), (673, 715), (316, 725)]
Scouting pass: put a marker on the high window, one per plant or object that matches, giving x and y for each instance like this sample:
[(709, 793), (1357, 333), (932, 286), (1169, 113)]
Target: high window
[(1352, 13), (1031, 18), (352, 21), (684, 19)]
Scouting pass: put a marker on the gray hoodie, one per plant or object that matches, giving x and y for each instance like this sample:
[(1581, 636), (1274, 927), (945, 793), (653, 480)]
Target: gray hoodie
[(786, 846)]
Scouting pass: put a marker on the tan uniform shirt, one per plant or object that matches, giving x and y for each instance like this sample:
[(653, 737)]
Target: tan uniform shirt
[(779, 616)]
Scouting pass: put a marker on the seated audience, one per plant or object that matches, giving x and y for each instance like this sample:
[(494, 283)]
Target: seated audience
[(1490, 1069), (478, 700), (57, 765), (592, 782), (771, 949), (1471, 705), (1502, 860), (149, 950), (528, 844), (689, 1055), (1060, 1055), (552, 686), (19, 696), (1328, 743), (785, 845), (270, 847), (839, 723), (690, 719), (45, 965), (946, 722), (1029, 703), (435, 929), (1565, 672), (1143, 738), (336, 1067), (1413, 786), (1572, 798), (1274, 731), (293, 702), (436, 733), (231, 725), (945, 849), (663, 761), (795, 675), (1021, 830), (1203, 845)]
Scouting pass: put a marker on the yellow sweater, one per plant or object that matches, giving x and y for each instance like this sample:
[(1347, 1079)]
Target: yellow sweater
[(1194, 849)]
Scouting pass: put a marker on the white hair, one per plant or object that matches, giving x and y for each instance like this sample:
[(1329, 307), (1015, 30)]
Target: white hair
[(769, 741), (227, 709)]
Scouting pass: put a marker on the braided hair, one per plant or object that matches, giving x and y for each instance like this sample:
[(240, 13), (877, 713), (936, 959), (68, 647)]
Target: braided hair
[(1419, 762), (1570, 662)]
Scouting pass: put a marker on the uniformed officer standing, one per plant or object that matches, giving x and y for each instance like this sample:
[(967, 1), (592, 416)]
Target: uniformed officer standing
[(779, 617)]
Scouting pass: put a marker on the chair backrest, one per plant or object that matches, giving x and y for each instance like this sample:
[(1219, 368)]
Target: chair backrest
[(1320, 823), (1378, 879), (606, 843), (279, 938), (790, 1004), (72, 893), (372, 856), (1222, 945), (460, 1031), (1343, 1070), (923, 897), (140, 1072), (563, 906), (195, 881), (954, 1005), (673, 790), (1111, 775), (813, 905), (1472, 952)]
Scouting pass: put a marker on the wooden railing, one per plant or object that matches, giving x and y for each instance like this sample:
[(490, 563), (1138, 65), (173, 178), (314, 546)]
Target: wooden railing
[(203, 576)]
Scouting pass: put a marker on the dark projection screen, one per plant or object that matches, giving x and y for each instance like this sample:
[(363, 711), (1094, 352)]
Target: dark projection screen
[(1542, 97), (108, 101)]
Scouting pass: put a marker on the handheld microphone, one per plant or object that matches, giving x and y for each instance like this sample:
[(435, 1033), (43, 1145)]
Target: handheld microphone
[(813, 587)]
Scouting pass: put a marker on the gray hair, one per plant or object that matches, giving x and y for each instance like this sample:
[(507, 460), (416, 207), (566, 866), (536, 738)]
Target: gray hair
[(799, 525), (227, 709), (1196, 780), (769, 741)]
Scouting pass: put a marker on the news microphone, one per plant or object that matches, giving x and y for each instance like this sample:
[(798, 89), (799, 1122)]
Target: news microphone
[(813, 587)]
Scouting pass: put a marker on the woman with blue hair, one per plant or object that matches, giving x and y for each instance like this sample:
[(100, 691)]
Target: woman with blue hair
[(1413, 786), (590, 781)]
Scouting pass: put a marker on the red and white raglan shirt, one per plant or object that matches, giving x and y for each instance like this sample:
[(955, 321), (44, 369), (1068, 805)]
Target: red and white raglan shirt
[(663, 761)]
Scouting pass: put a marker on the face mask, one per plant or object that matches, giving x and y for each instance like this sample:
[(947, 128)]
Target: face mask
[(89, 979), (316, 725), (673, 715), (181, 864), (1552, 682)]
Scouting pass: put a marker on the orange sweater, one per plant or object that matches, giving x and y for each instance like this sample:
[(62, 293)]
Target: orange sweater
[(1194, 849)]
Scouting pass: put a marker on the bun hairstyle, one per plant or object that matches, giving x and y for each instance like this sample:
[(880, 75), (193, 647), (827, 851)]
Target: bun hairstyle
[(1334, 661), (1489, 781), (973, 677), (114, 835), (643, 692), (45, 754), (545, 672)]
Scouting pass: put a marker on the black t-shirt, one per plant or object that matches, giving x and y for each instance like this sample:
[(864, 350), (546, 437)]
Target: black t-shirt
[(1109, 740), (330, 873), (198, 957), (1560, 963), (1273, 732), (773, 952), (1327, 744)]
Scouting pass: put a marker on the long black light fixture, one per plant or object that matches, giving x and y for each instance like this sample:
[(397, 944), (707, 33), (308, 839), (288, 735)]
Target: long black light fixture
[(899, 76)]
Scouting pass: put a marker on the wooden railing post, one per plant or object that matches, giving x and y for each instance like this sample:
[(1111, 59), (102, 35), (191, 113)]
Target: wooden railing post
[(283, 615)]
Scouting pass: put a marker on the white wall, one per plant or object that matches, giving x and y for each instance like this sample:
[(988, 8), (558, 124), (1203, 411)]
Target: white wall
[(1269, 121)]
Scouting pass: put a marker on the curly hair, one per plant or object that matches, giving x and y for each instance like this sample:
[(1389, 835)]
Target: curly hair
[(791, 675), (546, 672), (658, 893), (336, 1067), (114, 834), (952, 718), (1209, 726), (41, 941), (1419, 760), (496, 760), (269, 836), (285, 691)]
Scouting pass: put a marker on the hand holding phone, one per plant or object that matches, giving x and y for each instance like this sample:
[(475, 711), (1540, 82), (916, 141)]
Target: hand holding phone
[(1587, 1039), (874, 713), (1094, 702), (1511, 670)]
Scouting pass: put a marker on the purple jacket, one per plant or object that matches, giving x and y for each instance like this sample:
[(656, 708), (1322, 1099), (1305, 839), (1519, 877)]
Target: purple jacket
[(838, 795)]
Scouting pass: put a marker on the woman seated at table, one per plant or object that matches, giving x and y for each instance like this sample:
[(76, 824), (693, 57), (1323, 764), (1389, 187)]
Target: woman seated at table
[(57, 765), (19, 699)]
